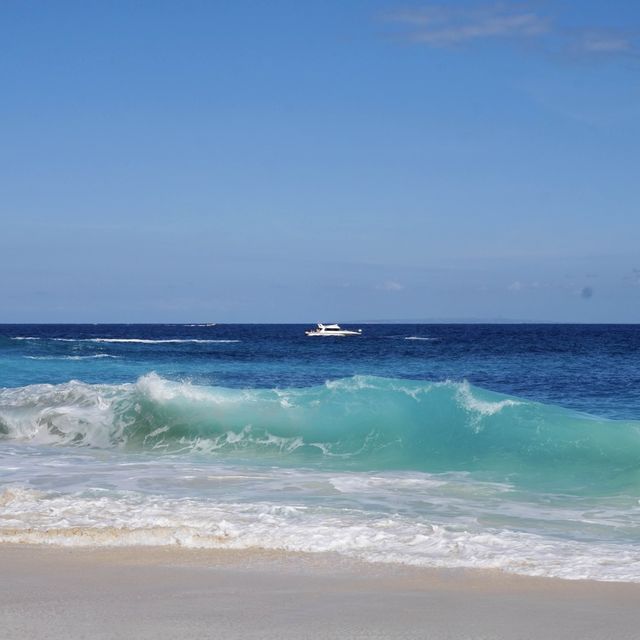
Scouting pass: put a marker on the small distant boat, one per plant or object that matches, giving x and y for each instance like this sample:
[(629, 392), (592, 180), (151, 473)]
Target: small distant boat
[(332, 330)]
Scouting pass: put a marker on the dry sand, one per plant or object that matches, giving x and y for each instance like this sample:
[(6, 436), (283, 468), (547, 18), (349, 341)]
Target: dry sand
[(168, 593)]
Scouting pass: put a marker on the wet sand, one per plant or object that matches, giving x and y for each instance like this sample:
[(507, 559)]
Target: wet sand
[(171, 593)]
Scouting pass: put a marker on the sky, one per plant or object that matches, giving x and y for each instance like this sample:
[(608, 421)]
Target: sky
[(320, 161)]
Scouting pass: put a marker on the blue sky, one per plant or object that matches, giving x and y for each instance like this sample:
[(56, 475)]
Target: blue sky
[(319, 161)]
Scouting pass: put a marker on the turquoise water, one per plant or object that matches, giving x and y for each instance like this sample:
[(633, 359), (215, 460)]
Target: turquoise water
[(498, 447)]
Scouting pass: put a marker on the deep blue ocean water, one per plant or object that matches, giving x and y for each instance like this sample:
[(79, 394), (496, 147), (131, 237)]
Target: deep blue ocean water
[(504, 446), (592, 368)]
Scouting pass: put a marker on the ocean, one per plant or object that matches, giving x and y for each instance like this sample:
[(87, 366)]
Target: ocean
[(509, 447)]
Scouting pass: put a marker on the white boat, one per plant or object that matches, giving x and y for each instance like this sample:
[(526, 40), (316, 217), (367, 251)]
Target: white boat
[(332, 330)]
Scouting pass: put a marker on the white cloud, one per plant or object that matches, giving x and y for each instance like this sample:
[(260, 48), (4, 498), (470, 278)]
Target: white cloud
[(533, 285), (441, 26), (390, 285), (602, 42)]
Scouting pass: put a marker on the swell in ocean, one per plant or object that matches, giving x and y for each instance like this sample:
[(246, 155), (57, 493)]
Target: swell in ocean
[(362, 423)]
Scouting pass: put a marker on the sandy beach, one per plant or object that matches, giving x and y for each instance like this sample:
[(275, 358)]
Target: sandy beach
[(168, 593)]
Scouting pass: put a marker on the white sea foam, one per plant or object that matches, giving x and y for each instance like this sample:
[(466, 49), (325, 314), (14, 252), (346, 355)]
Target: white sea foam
[(91, 357), (70, 413), (481, 408), (354, 383), (145, 340), (94, 518), (134, 340), (160, 390), (423, 338), (362, 483)]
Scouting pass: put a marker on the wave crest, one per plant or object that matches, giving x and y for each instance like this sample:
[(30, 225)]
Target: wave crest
[(362, 422)]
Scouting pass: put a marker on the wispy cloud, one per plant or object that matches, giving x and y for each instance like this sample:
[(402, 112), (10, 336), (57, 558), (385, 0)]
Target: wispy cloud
[(516, 286), (602, 43), (390, 285), (443, 26)]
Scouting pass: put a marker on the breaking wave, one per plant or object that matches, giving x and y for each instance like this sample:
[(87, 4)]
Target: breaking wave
[(354, 423)]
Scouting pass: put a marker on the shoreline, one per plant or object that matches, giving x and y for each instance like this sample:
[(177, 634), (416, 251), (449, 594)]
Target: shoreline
[(160, 592)]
